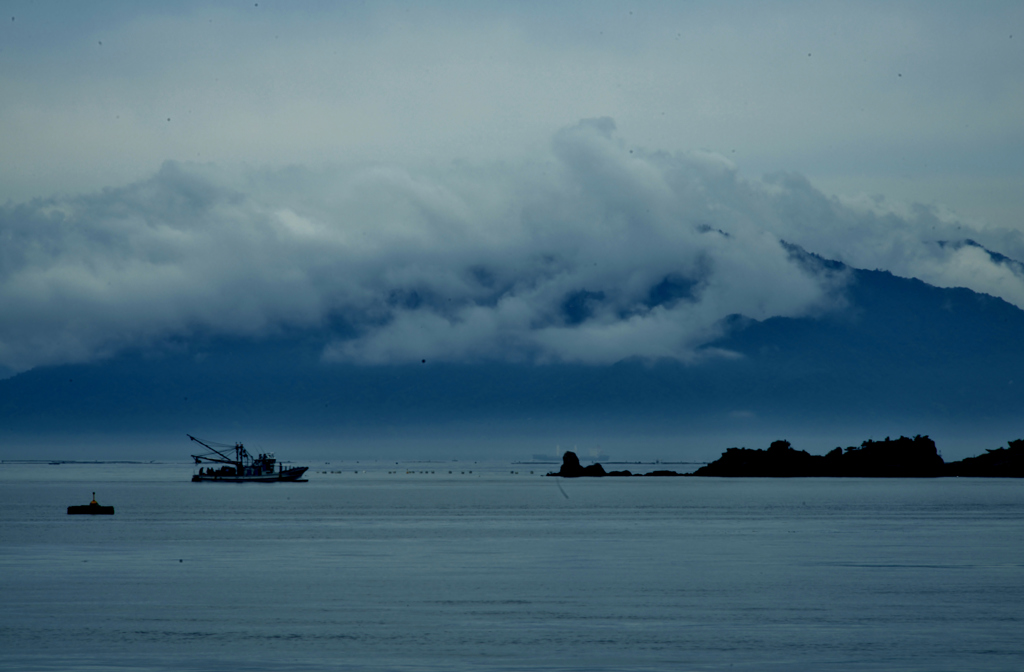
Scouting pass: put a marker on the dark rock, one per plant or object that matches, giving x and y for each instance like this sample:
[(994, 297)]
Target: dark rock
[(571, 468)]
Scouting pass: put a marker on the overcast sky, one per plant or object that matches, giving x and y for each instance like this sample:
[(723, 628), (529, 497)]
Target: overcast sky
[(536, 181)]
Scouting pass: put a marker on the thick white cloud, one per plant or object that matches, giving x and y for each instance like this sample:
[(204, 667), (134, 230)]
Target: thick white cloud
[(910, 241), (590, 252)]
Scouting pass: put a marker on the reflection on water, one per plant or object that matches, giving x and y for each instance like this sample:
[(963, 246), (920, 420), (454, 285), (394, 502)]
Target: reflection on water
[(408, 567)]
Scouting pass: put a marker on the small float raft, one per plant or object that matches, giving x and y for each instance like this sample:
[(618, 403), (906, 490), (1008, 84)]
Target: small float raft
[(92, 508)]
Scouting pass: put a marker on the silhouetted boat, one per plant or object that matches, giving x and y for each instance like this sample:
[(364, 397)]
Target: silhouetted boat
[(92, 508), (243, 467)]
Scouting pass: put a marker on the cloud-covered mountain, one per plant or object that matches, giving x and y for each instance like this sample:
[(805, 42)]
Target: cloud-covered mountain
[(598, 283), (902, 355), (593, 253)]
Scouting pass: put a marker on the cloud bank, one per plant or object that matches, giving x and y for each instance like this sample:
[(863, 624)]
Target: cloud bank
[(590, 252)]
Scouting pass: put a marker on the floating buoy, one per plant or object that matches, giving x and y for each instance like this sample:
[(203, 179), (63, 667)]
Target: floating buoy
[(92, 508)]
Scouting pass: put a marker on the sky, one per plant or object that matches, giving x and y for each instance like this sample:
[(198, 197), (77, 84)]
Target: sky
[(579, 182), (916, 101)]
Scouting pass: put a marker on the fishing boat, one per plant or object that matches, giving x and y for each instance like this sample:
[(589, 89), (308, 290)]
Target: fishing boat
[(241, 467)]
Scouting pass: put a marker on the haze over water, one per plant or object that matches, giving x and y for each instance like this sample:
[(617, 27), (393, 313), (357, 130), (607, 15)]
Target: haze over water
[(409, 567)]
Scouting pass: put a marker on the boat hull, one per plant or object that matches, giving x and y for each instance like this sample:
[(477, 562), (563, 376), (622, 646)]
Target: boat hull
[(286, 476)]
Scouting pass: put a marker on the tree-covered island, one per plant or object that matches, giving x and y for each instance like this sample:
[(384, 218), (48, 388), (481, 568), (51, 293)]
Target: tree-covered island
[(904, 457)]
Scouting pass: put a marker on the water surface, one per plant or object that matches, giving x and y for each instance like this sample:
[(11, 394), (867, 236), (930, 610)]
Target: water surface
[(410, 567)]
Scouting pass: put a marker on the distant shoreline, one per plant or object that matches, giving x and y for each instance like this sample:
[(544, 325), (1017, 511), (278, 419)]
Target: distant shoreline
[(904, 457), (55, 462)]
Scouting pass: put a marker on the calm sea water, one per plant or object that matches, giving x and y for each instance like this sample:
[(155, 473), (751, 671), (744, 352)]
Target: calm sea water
[(493, 570)]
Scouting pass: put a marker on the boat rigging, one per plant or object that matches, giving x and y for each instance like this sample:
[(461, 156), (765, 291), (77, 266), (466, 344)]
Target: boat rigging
[(241, 467)]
